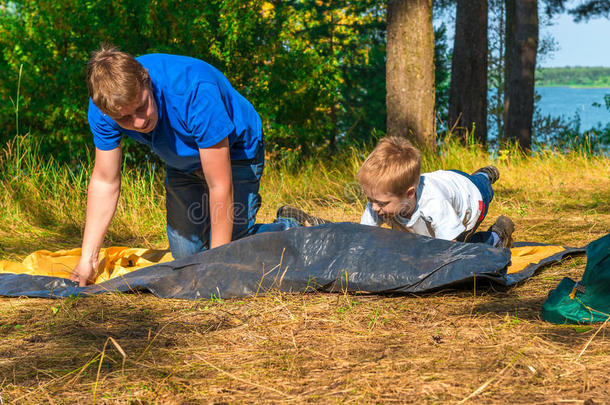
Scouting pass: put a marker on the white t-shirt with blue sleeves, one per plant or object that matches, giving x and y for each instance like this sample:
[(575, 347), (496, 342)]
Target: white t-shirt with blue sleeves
[(448, 204), (197, 107)]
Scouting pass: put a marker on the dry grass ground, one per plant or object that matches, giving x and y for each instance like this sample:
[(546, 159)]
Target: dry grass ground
[(484, 346)]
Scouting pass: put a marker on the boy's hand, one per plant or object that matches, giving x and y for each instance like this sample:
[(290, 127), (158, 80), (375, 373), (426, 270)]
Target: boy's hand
[(83, 273)]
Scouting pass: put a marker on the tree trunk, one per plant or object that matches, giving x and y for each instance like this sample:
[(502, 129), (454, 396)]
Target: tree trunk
[(468, 93), (496, 60), (333, 105), (410, 71), (509, 44), (520, 103)]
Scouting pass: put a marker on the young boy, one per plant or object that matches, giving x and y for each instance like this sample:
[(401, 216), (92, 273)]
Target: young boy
[(443, 204)]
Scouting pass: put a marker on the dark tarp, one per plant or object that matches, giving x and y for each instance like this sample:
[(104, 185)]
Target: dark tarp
[(330, 258)]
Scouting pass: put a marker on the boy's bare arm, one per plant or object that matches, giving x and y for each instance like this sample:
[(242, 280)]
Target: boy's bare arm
[(102, 197), (216, 165)]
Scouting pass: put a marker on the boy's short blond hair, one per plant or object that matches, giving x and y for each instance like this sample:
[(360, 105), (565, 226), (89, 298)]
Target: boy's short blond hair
[(115, 79), (393, 166)]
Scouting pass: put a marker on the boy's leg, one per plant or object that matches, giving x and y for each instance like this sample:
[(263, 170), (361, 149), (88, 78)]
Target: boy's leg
[(482, 237), (279, 224), (483, 180), (187, 203), (492, 173), (299, 216), (500, 233), (247, 200), (188, 220)]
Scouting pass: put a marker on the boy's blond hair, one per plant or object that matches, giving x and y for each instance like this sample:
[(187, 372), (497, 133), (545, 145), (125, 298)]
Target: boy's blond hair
[(115, 79), (393, 166)]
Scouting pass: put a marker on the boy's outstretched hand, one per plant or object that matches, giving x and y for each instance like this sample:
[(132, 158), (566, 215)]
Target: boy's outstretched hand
[(83, 273)]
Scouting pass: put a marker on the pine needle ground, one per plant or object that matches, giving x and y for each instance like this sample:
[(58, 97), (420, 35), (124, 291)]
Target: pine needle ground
[(481, 346)]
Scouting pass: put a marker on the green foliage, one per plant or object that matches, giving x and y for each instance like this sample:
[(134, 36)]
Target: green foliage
[(574, 76), (315, 70), (52, 41), (335, 50)]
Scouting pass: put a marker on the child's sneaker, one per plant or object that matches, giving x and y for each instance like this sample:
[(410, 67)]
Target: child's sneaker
[(491, 171), (504, 228), (300, 216)]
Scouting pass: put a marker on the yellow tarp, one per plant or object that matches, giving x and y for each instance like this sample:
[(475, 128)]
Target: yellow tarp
[(117, 261), (522, 257), (114, 262)]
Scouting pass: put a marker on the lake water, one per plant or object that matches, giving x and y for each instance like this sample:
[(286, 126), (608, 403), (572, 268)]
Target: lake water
[(566, 101)]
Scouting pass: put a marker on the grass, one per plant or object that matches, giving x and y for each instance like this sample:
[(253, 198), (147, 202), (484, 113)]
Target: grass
[(482, 347)]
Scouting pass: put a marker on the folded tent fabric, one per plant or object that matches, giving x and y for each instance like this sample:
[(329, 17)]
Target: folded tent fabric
[(117, 261), (114, 262), (366, 258), (523, 256)]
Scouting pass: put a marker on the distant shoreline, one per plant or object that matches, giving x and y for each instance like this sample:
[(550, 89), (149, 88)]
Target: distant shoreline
[(573, 86), (575, 77)]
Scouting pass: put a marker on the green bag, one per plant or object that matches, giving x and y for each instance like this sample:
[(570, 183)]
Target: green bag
[(589, 300)]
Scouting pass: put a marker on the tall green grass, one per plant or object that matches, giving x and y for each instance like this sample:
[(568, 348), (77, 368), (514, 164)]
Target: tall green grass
[(316, 184), (43, 202)]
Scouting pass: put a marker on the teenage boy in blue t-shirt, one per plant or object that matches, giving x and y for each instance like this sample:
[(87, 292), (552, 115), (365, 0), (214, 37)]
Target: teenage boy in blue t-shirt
[(209, 136)]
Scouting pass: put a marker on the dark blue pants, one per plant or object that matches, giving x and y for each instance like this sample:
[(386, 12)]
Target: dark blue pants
[(481, 181), (188, 208)]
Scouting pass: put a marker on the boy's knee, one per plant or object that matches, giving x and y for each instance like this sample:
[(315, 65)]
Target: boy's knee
[(183, 246)]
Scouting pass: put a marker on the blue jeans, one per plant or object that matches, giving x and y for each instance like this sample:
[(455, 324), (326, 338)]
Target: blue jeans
[(188, 211), (481, 181)]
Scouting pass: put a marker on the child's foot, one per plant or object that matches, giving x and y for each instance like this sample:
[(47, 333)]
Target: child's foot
[(300, 216), (491, 171), (504, 228)]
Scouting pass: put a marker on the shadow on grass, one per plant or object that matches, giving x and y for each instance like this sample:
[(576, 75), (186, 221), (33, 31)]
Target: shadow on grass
[(594, 202), (47, 340), (516, 310), (508, 303)]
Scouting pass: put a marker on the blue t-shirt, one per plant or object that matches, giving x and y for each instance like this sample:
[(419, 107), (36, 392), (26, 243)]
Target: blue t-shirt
[(197, 107)]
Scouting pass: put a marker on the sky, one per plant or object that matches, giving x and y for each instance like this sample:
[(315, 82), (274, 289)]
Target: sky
[(584, 44)]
